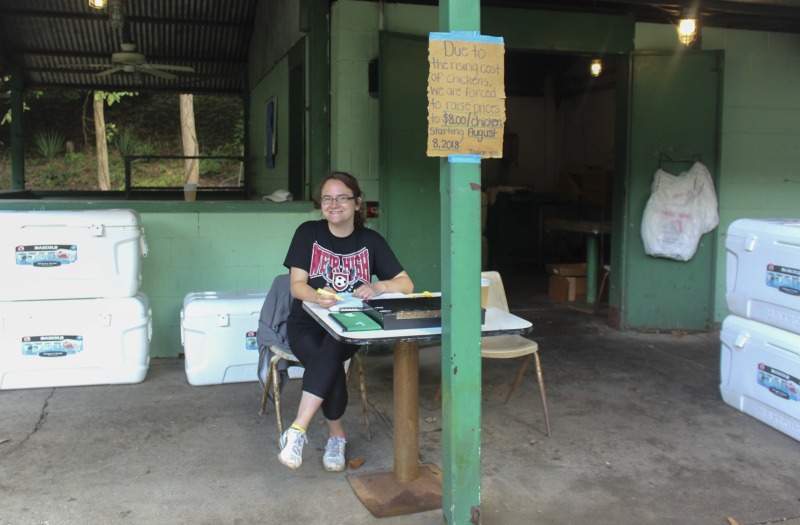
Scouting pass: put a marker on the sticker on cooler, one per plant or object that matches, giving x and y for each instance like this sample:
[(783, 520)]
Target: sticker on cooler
[(778, 382), (786, 280), (47, 255), (251, 341), (52, 345)]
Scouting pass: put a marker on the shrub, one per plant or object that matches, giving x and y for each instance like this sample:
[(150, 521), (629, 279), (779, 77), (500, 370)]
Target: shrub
[(126, 142), (49, 143)]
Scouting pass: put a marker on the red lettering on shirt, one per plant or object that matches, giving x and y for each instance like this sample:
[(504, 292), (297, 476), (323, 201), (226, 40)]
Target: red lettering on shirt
[(341, 272)]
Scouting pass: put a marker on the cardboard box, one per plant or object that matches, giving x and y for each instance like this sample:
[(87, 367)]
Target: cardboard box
[(567, 288), (567, 269)]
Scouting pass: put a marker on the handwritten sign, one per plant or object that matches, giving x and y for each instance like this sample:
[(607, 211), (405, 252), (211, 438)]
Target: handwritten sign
[(466, 94)]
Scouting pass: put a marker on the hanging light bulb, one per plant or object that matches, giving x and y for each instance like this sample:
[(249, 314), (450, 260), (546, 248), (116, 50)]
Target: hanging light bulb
[(596, 67), (687, 27), (116, 14), (97, 4)]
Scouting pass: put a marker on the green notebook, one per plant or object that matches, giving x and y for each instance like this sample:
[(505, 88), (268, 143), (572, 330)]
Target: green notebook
[(355, 321)]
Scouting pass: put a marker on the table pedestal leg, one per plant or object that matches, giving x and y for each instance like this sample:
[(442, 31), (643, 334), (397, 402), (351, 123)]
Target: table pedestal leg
[(409, 487), (592, 252)]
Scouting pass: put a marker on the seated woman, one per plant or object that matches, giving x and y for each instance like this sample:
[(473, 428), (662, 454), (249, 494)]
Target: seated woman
[(336, 254)]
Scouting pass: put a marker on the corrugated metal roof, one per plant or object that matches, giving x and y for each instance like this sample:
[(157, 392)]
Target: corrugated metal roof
[(66, 43)]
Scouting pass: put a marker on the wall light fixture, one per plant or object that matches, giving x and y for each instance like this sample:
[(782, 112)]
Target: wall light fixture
[(596, 67)]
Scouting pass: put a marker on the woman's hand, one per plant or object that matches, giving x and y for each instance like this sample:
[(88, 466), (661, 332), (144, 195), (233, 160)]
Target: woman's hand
[(368, 291), (326, 300)]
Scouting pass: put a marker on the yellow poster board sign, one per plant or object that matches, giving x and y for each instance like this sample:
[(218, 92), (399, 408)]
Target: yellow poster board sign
[(466, 94)]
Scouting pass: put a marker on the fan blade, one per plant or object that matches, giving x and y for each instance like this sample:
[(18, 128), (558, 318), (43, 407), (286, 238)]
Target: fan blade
[(157, 73), (168, 67), (108, 72)]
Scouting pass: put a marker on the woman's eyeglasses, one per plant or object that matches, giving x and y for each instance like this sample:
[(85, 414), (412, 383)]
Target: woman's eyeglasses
[(327, 200)]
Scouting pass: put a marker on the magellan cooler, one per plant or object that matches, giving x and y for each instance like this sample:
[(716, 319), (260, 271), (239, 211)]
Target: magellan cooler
[(73, 342), (218, 333), (760, 372), (763, 271), (70, 254)]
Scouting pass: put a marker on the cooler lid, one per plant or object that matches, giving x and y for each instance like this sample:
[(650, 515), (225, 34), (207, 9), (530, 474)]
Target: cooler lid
[(118, 218)]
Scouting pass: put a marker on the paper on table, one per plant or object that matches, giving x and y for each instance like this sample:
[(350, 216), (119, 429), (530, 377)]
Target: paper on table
[(348, 302)]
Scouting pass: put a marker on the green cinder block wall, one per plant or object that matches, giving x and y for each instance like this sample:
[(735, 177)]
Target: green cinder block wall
[(195, 252)]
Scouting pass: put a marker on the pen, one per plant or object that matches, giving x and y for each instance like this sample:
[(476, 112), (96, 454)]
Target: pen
[(326, 292)]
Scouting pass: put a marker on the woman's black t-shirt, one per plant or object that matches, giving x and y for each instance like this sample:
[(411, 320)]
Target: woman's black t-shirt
[(342, 263)]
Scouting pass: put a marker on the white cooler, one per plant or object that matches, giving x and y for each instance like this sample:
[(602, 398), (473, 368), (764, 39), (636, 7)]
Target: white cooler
[(74, 342), (763, 271), (70, 254), (760, 372), (218, 333)]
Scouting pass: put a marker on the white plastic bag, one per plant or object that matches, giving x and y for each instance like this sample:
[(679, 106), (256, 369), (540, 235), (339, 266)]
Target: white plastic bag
[(680, 209)]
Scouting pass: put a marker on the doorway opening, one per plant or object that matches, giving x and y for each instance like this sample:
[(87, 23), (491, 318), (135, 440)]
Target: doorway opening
[(558, 162)]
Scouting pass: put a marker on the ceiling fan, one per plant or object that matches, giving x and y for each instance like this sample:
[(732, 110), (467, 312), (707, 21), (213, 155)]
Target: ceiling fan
[(129, 61)]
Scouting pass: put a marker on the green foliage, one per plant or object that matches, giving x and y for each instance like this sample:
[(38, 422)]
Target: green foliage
[(155, 117), (147, 148), (112, 98), (4, 80), (126, 142), (111, 131), (49, 143)]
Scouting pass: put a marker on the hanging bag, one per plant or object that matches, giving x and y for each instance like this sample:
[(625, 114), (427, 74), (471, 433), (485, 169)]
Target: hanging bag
[(680, 210)]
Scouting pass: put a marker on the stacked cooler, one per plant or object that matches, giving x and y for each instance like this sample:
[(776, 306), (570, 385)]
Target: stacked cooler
[(218, 333), (70, 308), (760, 359)]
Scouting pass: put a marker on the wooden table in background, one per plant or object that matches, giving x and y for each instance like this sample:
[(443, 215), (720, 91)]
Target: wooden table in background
[(593, 230)]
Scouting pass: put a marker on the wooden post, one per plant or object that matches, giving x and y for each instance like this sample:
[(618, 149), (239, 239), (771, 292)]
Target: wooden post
[(189, 139), (103, 177), (17, 145), (406, 386)]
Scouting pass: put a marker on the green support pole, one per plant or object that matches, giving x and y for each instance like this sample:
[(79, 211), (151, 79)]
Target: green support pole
[(319, 103), (461, 341), (17, 146), (460, 183)]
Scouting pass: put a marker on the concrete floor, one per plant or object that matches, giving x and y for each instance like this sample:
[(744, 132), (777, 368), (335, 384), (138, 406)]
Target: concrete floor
[(640, 436)]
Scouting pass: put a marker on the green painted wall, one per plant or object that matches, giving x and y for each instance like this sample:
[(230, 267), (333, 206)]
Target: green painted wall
[(354, 113), (275, 84), (193, 252), (760, 146)]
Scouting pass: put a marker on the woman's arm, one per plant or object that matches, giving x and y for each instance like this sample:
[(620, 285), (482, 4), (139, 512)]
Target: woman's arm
[(399, 283), (301, 290)]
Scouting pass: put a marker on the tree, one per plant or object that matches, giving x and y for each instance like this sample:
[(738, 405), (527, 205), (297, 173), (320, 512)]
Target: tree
[(101, 132), (189, 139)]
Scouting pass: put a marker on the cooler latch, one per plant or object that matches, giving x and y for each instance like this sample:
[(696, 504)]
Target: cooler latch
[(223, 319), (143, 244), (750, 243), (104, 319), (741, 340), (96, 230)]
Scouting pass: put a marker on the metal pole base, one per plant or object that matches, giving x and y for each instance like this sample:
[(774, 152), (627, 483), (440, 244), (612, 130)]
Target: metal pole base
[(383, 495)]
